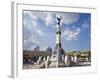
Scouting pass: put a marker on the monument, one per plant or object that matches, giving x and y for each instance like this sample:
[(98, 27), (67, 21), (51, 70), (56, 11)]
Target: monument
[(57, 56)]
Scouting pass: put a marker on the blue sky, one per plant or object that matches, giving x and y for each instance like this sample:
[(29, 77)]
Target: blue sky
[(39, 29)]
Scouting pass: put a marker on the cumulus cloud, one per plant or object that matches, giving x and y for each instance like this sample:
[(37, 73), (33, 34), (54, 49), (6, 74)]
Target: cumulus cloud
[(30, 28), (35, 14), (85, 25), (30, 43), (31, 25), (39, 23), (71, 34), (41, 33), (32, 22), (49, 19), (68, 18)]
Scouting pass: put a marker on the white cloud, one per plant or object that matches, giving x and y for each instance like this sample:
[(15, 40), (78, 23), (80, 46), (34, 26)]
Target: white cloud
[(41, 33), (33, 27), (29, 24), (71, 34), (36, 15), (68, 18), (85, 25), (30, 43), (30, 14), (78, 29), (48, 19)]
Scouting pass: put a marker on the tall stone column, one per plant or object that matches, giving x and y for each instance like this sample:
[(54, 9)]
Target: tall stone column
[(58, 40)]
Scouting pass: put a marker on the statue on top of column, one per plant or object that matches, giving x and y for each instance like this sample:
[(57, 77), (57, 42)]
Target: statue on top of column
[(59, 20)]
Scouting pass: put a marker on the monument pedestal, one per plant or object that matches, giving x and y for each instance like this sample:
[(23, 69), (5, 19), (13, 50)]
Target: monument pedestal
[(56, 61)]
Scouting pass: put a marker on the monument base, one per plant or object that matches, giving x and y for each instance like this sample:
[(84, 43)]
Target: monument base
[(55, 63)]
